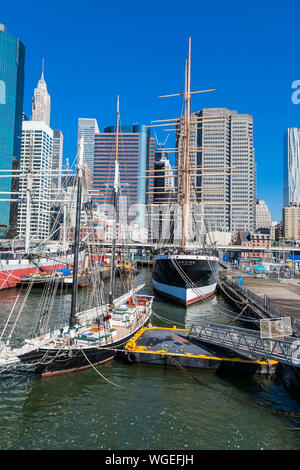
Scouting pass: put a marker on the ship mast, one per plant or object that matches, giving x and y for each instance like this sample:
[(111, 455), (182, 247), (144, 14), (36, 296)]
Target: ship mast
[(115, 203), (186, 151), (184, 172), (28, 198), (77, 233)]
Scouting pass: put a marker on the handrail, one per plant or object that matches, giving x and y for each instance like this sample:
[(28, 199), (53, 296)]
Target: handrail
[(245, 340)]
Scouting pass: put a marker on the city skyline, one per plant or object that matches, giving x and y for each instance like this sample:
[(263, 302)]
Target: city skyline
[(243, 68)]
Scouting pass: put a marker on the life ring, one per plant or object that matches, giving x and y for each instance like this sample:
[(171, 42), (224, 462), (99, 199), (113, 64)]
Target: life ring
[(131, 357), (142, 301)]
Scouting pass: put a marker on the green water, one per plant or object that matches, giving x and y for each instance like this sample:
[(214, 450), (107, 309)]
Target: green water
[(144, 406)]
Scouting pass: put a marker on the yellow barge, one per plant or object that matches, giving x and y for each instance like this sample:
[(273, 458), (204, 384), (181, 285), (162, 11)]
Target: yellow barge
[(155, 345)]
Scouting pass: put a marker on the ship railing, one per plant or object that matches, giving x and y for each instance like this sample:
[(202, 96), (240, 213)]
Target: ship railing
[(248, 342), (143, 312)]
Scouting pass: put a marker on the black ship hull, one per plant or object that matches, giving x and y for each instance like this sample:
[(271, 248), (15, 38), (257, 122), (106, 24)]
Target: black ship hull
[(48, 361), (52, 361), (185, 278)]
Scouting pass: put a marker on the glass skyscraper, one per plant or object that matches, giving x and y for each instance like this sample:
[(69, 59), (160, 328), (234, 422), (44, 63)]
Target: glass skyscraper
[(12, 58), (87, 128), (136, 157), (291, 186)]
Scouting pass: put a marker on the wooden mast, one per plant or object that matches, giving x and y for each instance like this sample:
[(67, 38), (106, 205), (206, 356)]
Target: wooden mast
[(115, 203), (186, 154), (185, 161), (77, 233), (28, 197)]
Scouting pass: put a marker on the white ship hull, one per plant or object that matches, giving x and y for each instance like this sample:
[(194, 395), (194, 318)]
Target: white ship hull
[(186, 296)]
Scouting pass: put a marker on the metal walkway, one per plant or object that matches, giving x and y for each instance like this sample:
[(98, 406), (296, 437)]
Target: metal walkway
[(248, 342)]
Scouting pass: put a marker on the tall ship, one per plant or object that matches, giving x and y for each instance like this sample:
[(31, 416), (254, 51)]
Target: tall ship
[(186, 272), (91, 336)]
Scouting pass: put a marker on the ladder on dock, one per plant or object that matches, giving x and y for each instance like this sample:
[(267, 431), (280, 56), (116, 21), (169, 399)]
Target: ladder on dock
[(248, 342)]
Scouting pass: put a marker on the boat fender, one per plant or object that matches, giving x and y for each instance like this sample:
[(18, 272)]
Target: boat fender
[(69, 340), (131, 357)]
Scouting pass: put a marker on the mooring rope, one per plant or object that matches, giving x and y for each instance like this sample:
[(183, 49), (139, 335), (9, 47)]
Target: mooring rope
[(99, 373), (189, 374)]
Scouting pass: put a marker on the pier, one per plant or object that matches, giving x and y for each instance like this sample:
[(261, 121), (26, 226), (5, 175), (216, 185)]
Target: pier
[(262, 298)]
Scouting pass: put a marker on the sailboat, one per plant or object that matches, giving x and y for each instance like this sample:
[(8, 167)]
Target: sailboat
[(92, 336), (184, 273)]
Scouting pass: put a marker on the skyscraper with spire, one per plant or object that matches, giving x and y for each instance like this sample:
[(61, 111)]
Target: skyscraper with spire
[(41, 102), (41, 151)]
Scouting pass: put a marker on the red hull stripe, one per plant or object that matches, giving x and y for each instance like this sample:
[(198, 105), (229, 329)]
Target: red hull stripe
[(200, 297), (11, 278), (48, 374)]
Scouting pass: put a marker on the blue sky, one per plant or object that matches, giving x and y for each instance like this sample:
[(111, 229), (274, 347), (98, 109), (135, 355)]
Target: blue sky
[(95, 50)]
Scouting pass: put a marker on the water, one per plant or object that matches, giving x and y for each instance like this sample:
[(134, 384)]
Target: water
[(155, 408)]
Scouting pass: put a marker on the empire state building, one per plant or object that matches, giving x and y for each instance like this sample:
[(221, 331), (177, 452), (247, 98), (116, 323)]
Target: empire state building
[(41, 102)]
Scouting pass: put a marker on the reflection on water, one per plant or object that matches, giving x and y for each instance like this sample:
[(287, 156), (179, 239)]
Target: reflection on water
[(156, 409)]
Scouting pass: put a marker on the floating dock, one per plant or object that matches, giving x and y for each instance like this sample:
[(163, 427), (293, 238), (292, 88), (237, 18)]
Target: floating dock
[(156, 345)]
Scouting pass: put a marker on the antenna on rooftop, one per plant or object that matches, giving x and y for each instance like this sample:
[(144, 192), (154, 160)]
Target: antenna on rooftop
[(160, 144)]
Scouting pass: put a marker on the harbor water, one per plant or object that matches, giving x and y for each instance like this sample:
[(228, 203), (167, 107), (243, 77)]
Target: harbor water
[(121, 406)]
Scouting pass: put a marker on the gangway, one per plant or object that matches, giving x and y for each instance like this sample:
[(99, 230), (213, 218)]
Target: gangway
[(249, 343)]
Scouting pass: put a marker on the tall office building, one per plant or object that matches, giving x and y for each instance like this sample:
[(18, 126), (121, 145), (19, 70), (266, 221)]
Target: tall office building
[(87, 128), (291, 221), (164, 195), (291, 171), (262, 215), (164, 183), (36, 154), (224, 169), (57, 159), (12, 59), (136, 157)]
